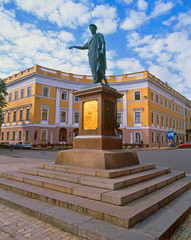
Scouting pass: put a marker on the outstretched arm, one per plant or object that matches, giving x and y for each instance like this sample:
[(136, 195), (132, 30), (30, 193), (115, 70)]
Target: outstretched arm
[(79, 47)]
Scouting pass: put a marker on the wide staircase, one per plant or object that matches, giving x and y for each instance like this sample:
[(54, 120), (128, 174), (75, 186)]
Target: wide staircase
[(138, 202)]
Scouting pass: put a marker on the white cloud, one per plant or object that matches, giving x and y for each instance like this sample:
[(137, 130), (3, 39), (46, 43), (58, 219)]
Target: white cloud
[(167, 57), (129, 65), (62, 12), (105, 17), (184, 20), (128, 2), (142, 5), (72, 13), (23, 45), (134, 20), (161, 8)]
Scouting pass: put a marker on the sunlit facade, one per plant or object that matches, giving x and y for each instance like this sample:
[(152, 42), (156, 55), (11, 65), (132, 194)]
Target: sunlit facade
[(42, 108)]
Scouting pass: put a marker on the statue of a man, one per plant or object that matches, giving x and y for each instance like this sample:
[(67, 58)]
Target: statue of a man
[(96, 55)]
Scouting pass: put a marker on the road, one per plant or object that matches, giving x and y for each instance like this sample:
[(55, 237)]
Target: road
[(176, 159)]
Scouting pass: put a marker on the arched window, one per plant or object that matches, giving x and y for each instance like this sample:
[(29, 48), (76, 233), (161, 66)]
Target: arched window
[(63, 135)]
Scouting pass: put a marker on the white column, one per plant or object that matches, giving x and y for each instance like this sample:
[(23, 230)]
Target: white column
[(57, 105), (131, 141), (51, 138), (70, 107), (125, 108)]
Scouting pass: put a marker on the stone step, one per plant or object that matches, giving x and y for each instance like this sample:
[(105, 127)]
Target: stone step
[(80, 185), (158, 226), (119, 197), (110, 184), (110, 173), (124, 216), (125, 195)]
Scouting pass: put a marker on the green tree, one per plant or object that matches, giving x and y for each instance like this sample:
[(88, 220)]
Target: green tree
[(3, 93)]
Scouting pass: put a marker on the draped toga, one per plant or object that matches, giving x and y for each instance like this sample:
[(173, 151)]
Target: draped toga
[(97, 61)]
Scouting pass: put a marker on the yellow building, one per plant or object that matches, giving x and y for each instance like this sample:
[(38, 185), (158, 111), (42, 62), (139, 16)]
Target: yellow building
[(42, 108)]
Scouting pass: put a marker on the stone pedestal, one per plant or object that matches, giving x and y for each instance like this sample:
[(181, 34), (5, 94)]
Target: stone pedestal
[(97, 145), (98, 123)]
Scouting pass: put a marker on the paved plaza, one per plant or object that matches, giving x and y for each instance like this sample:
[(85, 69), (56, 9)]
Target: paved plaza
[(16, 225)]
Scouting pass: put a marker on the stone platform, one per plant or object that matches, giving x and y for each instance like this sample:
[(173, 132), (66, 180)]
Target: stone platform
[(94, 158), (134, 202)]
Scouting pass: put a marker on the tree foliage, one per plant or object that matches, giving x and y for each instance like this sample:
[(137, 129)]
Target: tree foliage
[(3, 93)]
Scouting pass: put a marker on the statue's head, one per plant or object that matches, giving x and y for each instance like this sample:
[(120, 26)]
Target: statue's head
[(92, 28)]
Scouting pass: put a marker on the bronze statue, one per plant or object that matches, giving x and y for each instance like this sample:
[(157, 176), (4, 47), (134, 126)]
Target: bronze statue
[(96, 55)]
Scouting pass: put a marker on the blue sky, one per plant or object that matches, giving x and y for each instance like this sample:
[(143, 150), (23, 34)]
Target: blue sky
[(153, 35)]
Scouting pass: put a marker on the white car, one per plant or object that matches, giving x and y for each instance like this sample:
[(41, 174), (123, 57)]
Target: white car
[(22, 145)]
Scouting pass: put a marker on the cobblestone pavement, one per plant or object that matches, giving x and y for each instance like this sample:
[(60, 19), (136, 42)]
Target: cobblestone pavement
[(16, 225), (184, 230)]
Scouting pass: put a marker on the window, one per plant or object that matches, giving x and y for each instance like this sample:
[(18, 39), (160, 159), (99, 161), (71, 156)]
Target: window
[(152, 118), (170, 122), (153, 137), (137, 117), (27, 117), (2, 135), (3, 117), (166, 103), (119, 117), (22, 93), (26, 135), (76, 117), (45, 91), (152, 96), (20, 135), (14, 116), (20, 114), (10, 97), (44, 114), (177, 108), (44, 134), (162, 121), (170, 105), (158, 137), (7, 136), (16, 95), (63, 116), (173, 106), (158, 119), (13, 135), (137, 95), (8, 117), (28, 91), (163, 137), (64, 95), (166, 122), (174, 123), (157, 98), (137, 137), (162, 101), (119, 99), (76, 99)]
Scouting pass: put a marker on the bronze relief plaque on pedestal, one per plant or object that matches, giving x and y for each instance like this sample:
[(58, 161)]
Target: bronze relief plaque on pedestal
[(90, 115), (109, 119)]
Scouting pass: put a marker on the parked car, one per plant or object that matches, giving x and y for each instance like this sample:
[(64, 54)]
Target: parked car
[(171, 145), (185, 145), (4, 145), (22, 145)]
